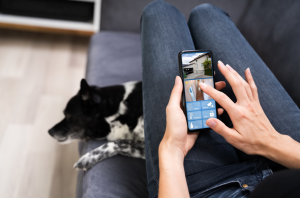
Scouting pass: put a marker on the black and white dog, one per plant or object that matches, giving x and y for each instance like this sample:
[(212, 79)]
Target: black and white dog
[(114, 112)]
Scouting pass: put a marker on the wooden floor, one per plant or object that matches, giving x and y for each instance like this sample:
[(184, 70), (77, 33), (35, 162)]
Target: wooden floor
[(199, 95), (38, 74)]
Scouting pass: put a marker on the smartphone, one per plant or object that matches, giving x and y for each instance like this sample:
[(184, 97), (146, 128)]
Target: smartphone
[(196, 66)]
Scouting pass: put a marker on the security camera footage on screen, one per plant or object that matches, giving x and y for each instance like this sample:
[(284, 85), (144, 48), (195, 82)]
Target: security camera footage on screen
[(197, 67)]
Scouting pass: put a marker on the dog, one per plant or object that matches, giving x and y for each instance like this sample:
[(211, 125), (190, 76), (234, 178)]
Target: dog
[(113, 112)]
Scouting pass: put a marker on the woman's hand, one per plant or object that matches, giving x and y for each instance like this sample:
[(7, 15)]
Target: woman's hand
[(251, 127), (177, 140), (252, 132), (175, 145)]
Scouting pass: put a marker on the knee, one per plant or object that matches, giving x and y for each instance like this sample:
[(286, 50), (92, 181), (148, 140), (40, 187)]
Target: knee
[(155, 8), (206, 10)]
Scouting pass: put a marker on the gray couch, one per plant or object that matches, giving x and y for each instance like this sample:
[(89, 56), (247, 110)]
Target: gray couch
[(271, 27)]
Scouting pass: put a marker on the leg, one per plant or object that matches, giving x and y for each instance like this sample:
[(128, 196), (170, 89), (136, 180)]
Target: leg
[(212, 29), (129, 148), (164, 33)]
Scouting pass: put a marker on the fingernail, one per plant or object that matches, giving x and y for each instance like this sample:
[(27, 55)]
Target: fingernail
[(203, 85), (177, 80), (211, 123), (230, 68), (248, 70), (221, 63)]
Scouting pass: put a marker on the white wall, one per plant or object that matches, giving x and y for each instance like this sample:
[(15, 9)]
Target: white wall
[(200, 68)]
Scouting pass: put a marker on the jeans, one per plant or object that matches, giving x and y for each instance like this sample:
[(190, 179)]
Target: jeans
[(213, 167)]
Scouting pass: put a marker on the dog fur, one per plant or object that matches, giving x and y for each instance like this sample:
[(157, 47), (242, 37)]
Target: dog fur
[(114, 113)]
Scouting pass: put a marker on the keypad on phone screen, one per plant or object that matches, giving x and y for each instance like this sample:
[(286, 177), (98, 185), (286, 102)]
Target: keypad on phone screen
[(198, 112)]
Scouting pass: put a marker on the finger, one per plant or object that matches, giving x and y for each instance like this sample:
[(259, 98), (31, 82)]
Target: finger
[(251, 83), (245, 84), (220, 111), (220, 97), (234, 81), (219, 127), (176, 93), (220, 85)]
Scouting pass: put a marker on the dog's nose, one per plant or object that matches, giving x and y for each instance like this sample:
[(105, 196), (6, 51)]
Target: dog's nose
[(51, 132)]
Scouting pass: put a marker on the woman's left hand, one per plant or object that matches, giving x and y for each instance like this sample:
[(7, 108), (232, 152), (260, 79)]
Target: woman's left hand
[(176, 139)]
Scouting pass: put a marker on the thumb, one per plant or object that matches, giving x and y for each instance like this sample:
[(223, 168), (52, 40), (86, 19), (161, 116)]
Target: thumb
[(176, 92), (219, 127)]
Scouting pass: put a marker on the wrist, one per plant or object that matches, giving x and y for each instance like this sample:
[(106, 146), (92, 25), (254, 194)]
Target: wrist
[(269, 144), (169, 154), (276, 145), (285, 152)]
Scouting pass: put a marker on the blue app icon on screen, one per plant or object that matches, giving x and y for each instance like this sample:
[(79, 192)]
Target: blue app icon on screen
[(209, 114), (194, 115), (197, 124), (193, 106), (208, 104)]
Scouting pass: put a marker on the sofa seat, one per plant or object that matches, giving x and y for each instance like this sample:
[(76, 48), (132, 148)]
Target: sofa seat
[(113, 58)]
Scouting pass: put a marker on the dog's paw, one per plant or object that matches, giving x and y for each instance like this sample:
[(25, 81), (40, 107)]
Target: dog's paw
[(85, 162)]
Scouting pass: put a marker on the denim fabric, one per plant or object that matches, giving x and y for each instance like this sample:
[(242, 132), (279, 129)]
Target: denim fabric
[(229, 181), (211, 28), (213, 167)]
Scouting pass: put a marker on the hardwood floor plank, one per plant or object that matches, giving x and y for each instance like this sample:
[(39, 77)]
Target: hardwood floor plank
[(38, 75), (13, 148), (31, 85), (6, 105), (57, 70), (15, 55)]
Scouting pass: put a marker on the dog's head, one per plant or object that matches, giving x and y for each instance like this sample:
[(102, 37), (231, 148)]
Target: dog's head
[(83, 119)]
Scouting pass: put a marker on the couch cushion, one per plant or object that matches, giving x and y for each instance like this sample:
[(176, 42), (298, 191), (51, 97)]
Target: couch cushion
[(115, 177), (114, 58), (272, 29), (125, 15)]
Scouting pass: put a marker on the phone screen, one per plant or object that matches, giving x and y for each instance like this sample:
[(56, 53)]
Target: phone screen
[(196, 67)]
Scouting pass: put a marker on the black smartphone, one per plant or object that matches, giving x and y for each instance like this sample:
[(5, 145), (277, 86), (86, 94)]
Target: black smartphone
[(196, 66)]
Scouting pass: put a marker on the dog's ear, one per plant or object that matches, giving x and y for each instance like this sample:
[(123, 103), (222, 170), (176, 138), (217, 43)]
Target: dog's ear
[(86, 93), (85, 90), (86, 97)]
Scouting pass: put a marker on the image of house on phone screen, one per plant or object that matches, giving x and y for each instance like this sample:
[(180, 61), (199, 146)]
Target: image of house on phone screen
[(187, 69), (199, 65)]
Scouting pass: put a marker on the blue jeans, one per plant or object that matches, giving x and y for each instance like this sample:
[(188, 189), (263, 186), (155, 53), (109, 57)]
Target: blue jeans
[(213, 167)]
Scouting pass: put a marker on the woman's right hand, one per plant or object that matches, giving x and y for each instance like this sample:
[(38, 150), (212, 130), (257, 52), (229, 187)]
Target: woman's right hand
[(252, 132)]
